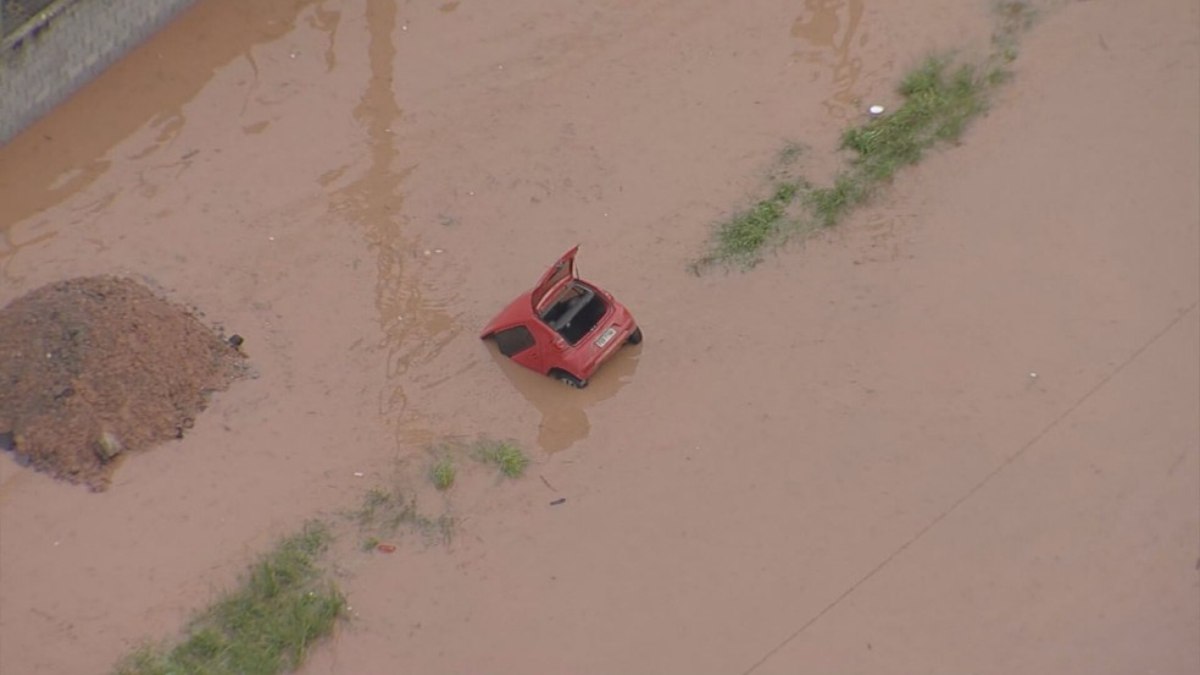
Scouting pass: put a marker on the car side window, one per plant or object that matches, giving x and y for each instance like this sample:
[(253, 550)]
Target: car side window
[(514, 340)]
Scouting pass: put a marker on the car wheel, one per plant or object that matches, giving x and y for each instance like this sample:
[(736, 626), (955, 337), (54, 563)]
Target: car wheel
[(635, 338), (569, 379)]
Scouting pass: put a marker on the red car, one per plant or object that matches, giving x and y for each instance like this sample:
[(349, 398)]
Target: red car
[(565, 327)]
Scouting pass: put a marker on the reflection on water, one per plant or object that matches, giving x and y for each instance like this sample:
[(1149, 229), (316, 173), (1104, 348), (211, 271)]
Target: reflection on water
[(414, 329), (831, 28), (326, 21), (564, 410)]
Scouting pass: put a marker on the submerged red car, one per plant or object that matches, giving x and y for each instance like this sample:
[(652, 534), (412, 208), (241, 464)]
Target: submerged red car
[(564, 327)]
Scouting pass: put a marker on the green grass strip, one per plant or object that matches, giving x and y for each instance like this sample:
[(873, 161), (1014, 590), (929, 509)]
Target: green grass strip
[(939, 100), (748, 231), (263, 627), (938, 104), (443, 473)]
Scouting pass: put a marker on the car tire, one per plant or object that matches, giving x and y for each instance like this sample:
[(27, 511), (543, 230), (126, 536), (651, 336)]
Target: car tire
[(568, 379), (635, 338)]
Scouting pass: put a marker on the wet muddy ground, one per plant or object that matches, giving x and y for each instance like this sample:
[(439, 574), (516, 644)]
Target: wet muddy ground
[(842, 460)]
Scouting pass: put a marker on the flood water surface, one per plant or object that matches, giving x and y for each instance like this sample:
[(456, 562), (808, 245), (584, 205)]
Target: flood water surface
[(837, 460)]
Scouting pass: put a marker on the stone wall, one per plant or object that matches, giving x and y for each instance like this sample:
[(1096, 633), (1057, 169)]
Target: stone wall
[(63, 46)]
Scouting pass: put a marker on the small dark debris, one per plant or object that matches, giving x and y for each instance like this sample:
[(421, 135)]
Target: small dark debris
[(183, 426), (558, 501), (7, 442), (236, 341)]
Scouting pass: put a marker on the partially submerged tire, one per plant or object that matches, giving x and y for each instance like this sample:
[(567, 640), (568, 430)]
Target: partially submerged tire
[(568, 379), (635, 338)]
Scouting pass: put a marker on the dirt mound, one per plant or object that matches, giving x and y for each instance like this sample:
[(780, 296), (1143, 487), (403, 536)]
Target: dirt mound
[(92, 369)]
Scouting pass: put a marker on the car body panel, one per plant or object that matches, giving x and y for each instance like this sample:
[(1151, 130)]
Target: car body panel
[(525, 336), (562, 270), (514, 313)]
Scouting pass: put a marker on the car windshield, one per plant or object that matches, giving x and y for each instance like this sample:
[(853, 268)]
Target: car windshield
[(575, 311)]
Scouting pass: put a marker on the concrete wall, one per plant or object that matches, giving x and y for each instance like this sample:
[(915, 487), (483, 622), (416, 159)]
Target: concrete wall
[(68, 44)]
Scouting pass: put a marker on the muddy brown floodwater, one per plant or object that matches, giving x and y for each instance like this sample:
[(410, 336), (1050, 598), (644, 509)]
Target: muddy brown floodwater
[(842, 461)]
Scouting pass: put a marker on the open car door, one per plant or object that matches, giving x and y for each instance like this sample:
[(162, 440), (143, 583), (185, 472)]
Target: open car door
[(564, 268)]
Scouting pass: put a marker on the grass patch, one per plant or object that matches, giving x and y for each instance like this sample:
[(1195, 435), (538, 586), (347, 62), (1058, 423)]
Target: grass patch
[(939, 99), (829, 205), (504, 455), (384, 512), (443, 472), (747, 231), (263, 627), (740, 238), (1013, 17)]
